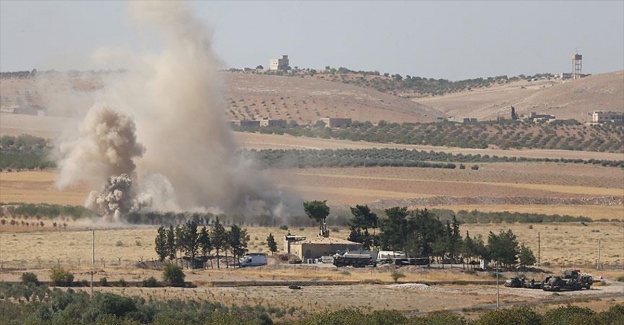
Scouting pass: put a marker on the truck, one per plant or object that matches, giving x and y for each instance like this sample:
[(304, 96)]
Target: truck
[(570, 280), (400, 258), (356, 259), (253, 259)]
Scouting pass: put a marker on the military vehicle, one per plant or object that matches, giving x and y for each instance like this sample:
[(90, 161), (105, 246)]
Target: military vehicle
[(570, 280), (355, 259)]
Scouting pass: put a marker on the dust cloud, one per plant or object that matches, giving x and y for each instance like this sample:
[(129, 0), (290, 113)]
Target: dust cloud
[(158, 138)]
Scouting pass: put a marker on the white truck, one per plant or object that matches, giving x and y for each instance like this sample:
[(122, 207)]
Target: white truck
[(253, 259)]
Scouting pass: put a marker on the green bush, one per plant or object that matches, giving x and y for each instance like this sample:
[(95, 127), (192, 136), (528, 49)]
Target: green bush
[(396, 275), (173, 274), (515, 316), (104, 282), (569, 315), (28, 278), (61, 277), (150, 282), (109, 304)]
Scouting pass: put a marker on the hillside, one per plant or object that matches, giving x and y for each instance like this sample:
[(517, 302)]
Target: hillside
[(570, 99), (247, 96), (306, 99)]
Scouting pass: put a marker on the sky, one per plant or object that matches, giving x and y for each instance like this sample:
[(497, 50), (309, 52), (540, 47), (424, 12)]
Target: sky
[(433, 39)]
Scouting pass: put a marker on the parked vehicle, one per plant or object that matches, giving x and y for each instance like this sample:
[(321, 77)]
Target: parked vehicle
[(514, 283), (570, 280), (355, 259), (253, 259)]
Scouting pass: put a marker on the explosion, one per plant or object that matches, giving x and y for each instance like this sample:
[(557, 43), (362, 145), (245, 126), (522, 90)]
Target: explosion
[(171, 101)]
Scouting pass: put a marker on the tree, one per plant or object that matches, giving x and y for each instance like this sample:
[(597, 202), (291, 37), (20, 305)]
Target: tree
[(526, 256), (317, 210), (362, 220), (259, 67), (218, 238), (271, 243), (503, 247), (189, 240), (171, 248), (393, 234), (204, 242), (161, 244), (238, 241), (173, 274)]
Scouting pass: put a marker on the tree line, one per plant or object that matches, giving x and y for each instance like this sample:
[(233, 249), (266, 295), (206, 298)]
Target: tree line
[(25, 152), (502, 134), (389, 157), (190, 242), (420, 233), (339, 219)]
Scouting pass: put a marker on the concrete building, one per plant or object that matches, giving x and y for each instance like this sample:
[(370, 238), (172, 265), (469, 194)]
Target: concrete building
[(541, 117), (335, 122), (608, 117), (268, 122), (279, 64), (245, 123), (310, 249)]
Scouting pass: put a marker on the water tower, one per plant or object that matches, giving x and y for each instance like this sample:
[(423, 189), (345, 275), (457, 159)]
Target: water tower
[(577, 66)]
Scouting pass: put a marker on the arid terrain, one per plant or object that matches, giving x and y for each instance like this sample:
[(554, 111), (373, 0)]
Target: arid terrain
[(306, 99), (550, 188)]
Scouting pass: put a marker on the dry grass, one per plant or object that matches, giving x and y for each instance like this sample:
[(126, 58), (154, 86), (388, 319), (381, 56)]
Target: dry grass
[(562, 245)]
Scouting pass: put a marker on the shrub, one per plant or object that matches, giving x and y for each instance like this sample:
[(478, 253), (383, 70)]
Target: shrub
[(61, 277), (475, 167), (173, 274), (104, 282), (569, 315), (283, 227), (28, 278), (109, 304), (516, 316), (122, 283), (620, 279), (396, 275), (150, 282)]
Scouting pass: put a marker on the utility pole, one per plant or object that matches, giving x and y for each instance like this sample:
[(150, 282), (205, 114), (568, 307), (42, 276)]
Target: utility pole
[(598, 262), (539, 251), (92, 259), (497, 288)]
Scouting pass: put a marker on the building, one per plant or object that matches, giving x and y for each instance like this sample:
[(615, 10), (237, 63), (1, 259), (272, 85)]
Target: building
[(309, 249), (335, 122), (279, 64), (541, 117), (608, 117), (277, 123), (245, 123)]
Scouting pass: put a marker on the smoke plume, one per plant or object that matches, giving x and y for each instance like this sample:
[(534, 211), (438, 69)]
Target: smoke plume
[(171, 101)]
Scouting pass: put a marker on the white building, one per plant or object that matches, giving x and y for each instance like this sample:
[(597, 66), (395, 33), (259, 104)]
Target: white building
[(279, 64)]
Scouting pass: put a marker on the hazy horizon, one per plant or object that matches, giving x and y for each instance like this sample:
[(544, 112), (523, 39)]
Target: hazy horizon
[(450, 40)]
